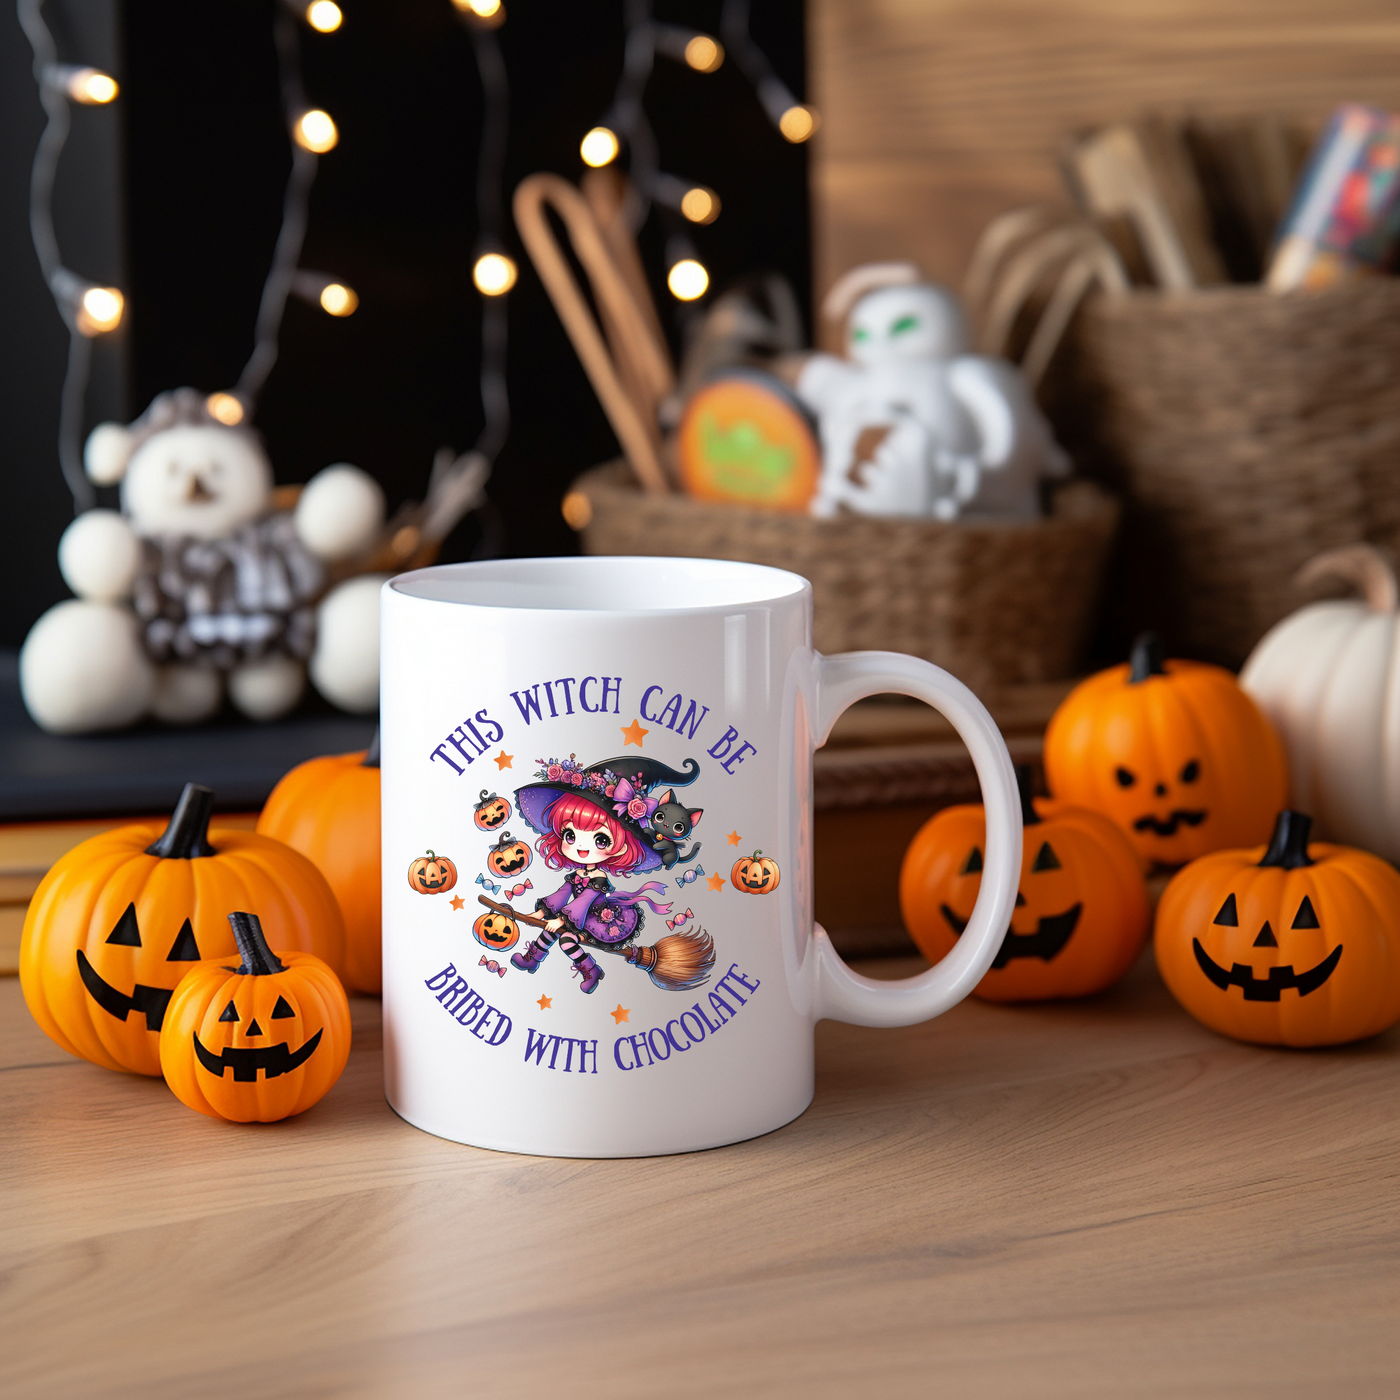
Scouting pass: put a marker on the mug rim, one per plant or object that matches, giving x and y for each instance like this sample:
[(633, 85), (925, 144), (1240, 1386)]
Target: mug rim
[(768, 585)]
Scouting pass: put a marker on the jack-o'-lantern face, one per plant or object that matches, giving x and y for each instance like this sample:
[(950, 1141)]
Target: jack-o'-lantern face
[(491, 812), (508, 856), (432, 874), (1174, 751), (143, 1000), (496, 931), (1081, 914), (1299, 947), (756, 874)]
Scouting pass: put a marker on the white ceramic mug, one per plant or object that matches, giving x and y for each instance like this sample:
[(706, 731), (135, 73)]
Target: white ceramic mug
[(621, 749)]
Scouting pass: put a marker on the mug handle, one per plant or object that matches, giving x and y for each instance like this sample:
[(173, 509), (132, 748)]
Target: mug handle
[(844, 995)]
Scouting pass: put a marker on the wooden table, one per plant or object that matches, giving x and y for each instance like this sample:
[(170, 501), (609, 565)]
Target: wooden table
[(1083, 1200)]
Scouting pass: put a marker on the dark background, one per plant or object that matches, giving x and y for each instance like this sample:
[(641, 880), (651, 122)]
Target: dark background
[(174, 194)]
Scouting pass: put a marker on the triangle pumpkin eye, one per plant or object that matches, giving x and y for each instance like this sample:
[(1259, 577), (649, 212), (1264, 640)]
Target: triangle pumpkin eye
[(974, 862), (1306, 917), (1045, 859), (184, 948), (282, 1009), (229, 1013), (126, 933), (1228, 915)]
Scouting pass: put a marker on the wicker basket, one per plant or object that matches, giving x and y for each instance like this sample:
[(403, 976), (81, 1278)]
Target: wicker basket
[(996, 603), (1246, 432)]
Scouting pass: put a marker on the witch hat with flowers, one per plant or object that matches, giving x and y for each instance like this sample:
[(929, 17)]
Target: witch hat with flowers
[(619, 787)]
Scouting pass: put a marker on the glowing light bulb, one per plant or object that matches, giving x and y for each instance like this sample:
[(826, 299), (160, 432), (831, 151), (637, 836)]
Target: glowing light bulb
[(704, 54), (100, 309), (315, 131), (699, 205), (577, 510), (482, 9), (324, 16), (494, 274), (338, 299), (599, 147), (798, 123), (226, 408), (687, 279), (91, 86)]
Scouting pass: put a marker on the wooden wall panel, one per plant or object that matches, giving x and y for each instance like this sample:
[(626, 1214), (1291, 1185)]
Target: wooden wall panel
[(940, 114)]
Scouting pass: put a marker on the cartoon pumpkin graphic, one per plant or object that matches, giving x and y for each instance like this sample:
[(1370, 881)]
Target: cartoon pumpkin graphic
[(1296, 944), (256, 1040), (432, 874), (508, 856), (491, 812), (496, 931), (755, 874), (118, 921), (1081, 915), (1174, 751)]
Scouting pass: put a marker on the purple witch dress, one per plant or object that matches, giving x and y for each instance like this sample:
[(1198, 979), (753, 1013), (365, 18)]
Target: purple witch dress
[(593, 909)]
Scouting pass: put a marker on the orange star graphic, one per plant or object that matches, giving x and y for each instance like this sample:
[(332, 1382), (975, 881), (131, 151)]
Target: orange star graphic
[(503, 760), (546, 1003), (633, 734), (733, 838), (715, 882), (457, 901), (621, 1014)]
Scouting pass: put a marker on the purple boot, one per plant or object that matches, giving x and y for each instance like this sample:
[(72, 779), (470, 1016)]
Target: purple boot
[(532, 956), (589, 970)]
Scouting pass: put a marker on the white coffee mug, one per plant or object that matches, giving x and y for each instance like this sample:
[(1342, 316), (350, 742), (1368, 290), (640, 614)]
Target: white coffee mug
[(598, 871)]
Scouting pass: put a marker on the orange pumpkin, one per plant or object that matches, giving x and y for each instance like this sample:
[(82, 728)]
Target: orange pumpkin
[(496, 931), (279, 1022), (508, 856), (432, 874), (328, 809), (1289, 945), (492, 811), (1081, 916), (117, 922), (755, 874), (1174, 751)]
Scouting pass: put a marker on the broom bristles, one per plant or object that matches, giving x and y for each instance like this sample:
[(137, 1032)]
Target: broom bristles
[(683, 961)]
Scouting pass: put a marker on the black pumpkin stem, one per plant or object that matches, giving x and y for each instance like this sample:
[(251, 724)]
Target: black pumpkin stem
[(258, 959), (1024, 784), (371, 759), (187, 835), (1146, 658), (1288, 849)]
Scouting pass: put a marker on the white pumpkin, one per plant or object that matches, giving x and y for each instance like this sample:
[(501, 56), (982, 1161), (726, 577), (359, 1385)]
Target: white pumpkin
[(1328, 677)]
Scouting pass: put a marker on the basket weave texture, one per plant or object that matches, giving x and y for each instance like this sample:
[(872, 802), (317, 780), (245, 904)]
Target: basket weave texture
[(994, 602), (1246, 433)]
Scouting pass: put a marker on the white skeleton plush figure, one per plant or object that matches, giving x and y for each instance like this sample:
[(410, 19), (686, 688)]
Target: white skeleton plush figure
[(911, 422), (198, 584)]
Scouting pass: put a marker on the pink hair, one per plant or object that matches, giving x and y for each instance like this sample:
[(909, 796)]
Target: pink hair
[(574, 810)]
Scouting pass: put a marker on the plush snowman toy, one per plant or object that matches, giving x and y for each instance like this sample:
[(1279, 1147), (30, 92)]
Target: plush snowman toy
[(198, 584), (911, 422)]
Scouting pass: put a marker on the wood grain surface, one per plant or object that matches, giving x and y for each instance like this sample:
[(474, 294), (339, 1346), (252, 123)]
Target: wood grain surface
[(940, 114), (1097, 1199)]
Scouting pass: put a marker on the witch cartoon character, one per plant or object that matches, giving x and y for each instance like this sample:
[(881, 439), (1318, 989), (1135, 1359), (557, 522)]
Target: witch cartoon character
[(594, 823)]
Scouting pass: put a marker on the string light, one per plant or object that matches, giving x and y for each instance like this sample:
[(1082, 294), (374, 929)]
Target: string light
[(491, 13), (798, 122), (703, 53), (338, 300), (316, 132), (324, 16), (226, 408), (100, 309), (700, 205), (688, 280), (90, 86), (599, 147), (494, 274)]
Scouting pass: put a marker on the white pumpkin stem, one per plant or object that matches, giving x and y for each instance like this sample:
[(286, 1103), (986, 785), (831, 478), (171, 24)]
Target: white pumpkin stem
[(1362, 565)]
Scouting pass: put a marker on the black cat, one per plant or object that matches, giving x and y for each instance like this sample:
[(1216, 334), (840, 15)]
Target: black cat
[(670, 824)]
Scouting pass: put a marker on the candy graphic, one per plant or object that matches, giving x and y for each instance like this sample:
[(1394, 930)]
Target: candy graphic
[(518, 890), (690, 876), (679, 919), (482, 880), (491, 965)]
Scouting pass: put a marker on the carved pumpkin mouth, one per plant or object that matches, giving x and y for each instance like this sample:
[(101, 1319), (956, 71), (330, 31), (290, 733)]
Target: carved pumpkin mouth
[(1278, 981), (273, 1060), (1167, 826), (509, 867), (149, 1001), (1052, 932), (491, 936)]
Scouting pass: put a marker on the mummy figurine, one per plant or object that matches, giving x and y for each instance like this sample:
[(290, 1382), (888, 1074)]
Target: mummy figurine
[(198, 586), (911, 422)]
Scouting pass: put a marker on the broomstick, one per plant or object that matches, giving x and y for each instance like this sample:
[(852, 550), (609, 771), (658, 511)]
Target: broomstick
[(675, 963)]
